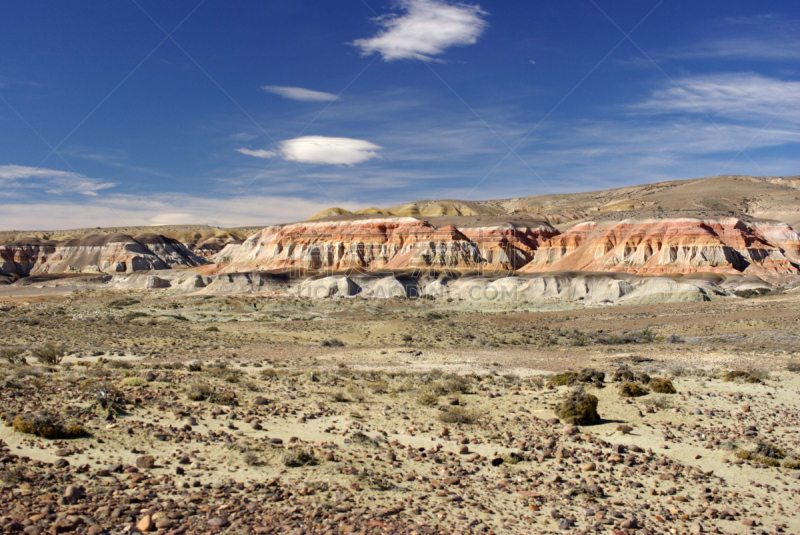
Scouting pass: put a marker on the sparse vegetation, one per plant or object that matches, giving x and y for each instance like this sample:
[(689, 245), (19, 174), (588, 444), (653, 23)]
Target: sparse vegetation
[(579, 408), (50, 354), (298, 457), (740, 376), (12, 356), (631, 390), (662, 386), (457, 415), (46, 425)]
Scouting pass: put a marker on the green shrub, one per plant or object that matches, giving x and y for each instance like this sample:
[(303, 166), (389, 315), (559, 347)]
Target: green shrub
[(297, 458), (428, 398), (579, 408), (47, 426), (457, 415), (562, 379), (50, 354), (133, 381), (199, 391), (631, 390), (12, 356), (662, 386), (740, 376)]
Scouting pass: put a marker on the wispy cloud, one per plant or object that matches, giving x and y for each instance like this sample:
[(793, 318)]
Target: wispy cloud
[(299, 93), (51, 180), (424, 29), (266, 154), (321, 150), (167, 208), (743, 96), (767, 37)]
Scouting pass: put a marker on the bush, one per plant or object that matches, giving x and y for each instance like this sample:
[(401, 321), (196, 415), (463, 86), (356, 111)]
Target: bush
[(623, 374), (195, 366), (770, 450), (590, 375), (14, 475), (297, 458), (12, 356), (199, 391), (642, 377), (333, 342), (631, 390), (662, 386), (740, 376), (562, 379), (579, 408), (133, 381), (427, 398), (50, 354), (356, 393), (457, 415), (212, 329), (661, 402), (338, 396), (793, 366), (47, 426)]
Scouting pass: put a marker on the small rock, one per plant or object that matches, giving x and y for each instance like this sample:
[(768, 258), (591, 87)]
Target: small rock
[(145, 524), (219, 522), (146, 461)]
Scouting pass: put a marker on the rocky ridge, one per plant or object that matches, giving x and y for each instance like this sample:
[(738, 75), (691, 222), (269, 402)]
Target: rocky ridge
[(99, 253)]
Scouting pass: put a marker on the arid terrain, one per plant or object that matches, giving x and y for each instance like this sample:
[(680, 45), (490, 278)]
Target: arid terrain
[(246, 414), (447, 367)]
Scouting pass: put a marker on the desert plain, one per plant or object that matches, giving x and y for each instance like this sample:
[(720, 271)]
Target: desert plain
[(240, 414)]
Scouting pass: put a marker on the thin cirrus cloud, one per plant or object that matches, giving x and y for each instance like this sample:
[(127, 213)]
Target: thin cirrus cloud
[(424, 29), (299, 93), (51, 180), (321, 150), (741, 96), (258, 153)]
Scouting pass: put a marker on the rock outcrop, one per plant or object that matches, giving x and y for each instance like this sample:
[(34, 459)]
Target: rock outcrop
[(666, 246), (100, 253), (374, 244)]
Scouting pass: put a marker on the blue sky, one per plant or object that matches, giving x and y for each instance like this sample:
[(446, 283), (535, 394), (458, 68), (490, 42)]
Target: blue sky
[(248, 113)]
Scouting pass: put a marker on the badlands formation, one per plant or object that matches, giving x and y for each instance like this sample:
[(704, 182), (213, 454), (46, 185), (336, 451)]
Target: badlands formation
[(686, 240)]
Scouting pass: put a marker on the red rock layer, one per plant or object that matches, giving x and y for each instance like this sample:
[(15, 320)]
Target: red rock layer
[(383, 244), (655, 247)]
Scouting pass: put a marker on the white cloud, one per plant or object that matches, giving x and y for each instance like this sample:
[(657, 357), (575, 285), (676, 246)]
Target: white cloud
[(299, 93), (321, 150), (742, 96), (425, 29), (266, 154), (53, 181), (328, 150)]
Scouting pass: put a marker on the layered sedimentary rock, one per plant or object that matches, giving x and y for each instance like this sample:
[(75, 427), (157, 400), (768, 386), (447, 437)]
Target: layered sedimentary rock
[(661, 246), (383, 244), (100, 253)]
